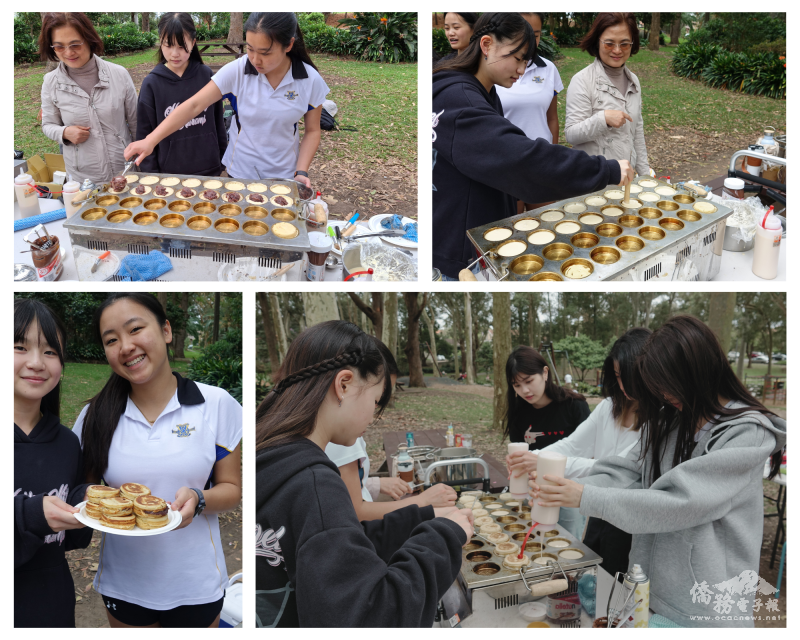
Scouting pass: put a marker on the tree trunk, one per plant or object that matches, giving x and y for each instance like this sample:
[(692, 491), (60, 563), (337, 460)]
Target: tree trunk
[(721, 309), (269, 331), (133, 19), (655, 29), (146, 21), (389, 331), (162, 300), (236, 31), (179, 337), (501, 347), (415, 308), (432, 337), (374, 313), (470, 371), (769, 349), (277, 322), (217, 300), (675, 31), (319, 307), (740, 362), (531, 320)]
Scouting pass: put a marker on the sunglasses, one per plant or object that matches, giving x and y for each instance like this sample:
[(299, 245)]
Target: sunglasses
[(74, 46), (608, 45)]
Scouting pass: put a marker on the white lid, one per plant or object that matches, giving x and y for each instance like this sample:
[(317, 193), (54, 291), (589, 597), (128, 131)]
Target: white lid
[(734, 183), (772, 223), (533, 611), (72, 186), (320, 242), (23, 178)]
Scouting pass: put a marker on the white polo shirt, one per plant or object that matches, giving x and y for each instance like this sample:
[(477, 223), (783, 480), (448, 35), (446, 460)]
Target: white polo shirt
[(269, 139), (200, 425), (525, 104), (341, 456)]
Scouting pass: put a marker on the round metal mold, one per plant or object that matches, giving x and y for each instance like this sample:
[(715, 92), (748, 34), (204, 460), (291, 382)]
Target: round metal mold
[(652, 233), (155, 204), (479, 556), (120, 215), (689, 215), (568, 227), (557, 251), (525, 514), (574, 207), (671, 224), (560, 543), (473, 544), (486, 568), (631, 221), (178, 206), (525, 265), (704, 207), (514, 527), (255, 212), (649, 212), (595, 201), (614, 194), (93, 214), (546, 276), (226, 225), (648, 182), (591, 218), (541, 236), (577, 269), (683, 198), (506, 519), (106, 201), (204, 208), (543, 558), (571, 554), (495, 234), (230, 210), (199, 223), (171, 220), (550, 534), (608, 230), (144, 218), (605, 255), (668, 205), (551, 215), (512, 248), (630, 243), (612, 210), (255, 228), (130, 203), (526, 224), (633, 204), (649, 196), (531, 544), (284, 215), (584, 240)]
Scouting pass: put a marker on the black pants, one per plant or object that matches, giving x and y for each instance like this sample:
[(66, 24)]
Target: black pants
[(611, 543), (190, 615)]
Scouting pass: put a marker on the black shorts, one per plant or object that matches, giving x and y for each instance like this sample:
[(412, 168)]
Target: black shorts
[(189, 615)]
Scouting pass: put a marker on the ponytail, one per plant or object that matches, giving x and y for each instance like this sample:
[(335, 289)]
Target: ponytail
[(281, 28)]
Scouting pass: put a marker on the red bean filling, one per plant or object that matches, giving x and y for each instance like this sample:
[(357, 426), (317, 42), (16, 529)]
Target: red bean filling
[(161, 190), (140, 189), (281, 200), (233, 197), (210, 194), (257, 198), (186, 193), (118, 183)]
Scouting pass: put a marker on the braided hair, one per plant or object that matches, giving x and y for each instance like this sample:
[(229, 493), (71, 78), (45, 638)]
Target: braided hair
[(504, 27), (314, 358)]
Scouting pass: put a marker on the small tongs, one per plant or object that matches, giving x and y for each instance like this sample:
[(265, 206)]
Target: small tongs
[(127, 168), (380, 234), (39, 247), (466, 274)]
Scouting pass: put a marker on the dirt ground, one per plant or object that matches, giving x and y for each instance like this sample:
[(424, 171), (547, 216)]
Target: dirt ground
[(89, 609)]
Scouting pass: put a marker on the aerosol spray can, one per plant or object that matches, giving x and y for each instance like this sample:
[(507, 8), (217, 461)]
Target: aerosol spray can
[(641, 615)]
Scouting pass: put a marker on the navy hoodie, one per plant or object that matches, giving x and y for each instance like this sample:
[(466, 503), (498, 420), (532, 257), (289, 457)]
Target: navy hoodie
[(483, 164), (197, 148), (46, 463), (317, 566)]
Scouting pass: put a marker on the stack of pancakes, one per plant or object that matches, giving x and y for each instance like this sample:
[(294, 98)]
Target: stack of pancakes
[(118, 513), (95, 496), (130, 505), (132, 490), (151, 512)]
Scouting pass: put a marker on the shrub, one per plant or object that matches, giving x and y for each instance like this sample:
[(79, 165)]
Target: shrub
[(692, 57), (777, 47), (567, 36), (384, 37), (440, 42), (217, 31), (85, 352), (25, 49), (740, 31), (221, 364), (548, 48), (125, 37)]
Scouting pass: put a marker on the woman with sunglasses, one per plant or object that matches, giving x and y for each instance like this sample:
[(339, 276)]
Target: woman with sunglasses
[(604, 100), (88, 104)]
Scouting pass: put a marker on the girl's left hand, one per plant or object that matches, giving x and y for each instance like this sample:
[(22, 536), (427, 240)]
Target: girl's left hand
[(304, 180), (394, 487), (564, 493), (185, 502)]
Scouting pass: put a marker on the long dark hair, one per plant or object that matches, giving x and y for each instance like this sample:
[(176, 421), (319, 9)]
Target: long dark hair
[(280, 28), (527, 361), (289, 411), (469, 18), (684, 359), (172, 29), (107, 407), (624, 352), (26, 312), (505, 27)]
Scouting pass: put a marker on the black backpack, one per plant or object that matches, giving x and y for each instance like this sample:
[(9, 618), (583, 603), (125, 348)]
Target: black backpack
[(328, 123)]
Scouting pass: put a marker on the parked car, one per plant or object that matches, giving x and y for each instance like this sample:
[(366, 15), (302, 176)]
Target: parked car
[(779, 357), (733, 356), (755, 354), (761, 359)]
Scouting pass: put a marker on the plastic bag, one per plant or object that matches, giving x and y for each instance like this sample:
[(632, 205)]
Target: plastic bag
[(745, 217), (388, 263)]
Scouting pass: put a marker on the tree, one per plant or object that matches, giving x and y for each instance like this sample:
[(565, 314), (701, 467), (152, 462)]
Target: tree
[(215, 333), (722, 307), (146, 21), (584, 353), (389, 331), (319, 307), (432, 337), (675, 30), (415, 309), (470, 366), (269, 331), (655, 30), (179, 335), (501, 344), (277, 323), (374, 313), (236, 29)]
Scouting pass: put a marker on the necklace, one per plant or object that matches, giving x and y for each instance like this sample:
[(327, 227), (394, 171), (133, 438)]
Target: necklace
[(152, 422)]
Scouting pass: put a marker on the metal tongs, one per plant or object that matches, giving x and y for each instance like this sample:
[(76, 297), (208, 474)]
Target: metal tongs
[(94, 190), (47, 244), (394, 233), (488, 255), (614, 614)]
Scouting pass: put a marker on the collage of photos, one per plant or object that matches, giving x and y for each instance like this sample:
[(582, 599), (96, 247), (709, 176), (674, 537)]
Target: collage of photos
[(434, 447)]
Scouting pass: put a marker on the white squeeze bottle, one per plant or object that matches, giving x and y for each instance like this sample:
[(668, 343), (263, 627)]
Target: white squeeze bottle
[(767, 246), (26, 195), (68, 193), (518, 487), (550, 463)]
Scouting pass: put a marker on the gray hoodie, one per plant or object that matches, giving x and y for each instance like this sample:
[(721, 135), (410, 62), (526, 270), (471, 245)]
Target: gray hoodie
[(697, 529)]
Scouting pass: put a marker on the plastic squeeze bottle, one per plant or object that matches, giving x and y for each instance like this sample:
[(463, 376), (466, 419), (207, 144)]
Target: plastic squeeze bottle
[(405, 467), (550, 463), (69, 192), (27, 196), (518, 487), (767, 246)]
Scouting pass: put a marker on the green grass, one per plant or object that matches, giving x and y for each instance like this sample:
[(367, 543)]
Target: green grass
[(670, 101), (82, 381), (445, 407)]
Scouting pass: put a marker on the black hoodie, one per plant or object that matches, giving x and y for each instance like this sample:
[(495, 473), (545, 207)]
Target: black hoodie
[(46, 463), (482, 164), (197, 148), (317, 566)]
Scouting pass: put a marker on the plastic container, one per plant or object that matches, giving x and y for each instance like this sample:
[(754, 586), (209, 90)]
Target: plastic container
[(321, 246), (548, 464), (533, 611), (733, 189), (405, 467), (68, 192), (518, 487), (27, 196), (767, 246)]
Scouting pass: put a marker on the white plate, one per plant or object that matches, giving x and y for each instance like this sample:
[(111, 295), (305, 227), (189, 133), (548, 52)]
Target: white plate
[(175, 520), (246, 270), (360, 230), (375, 225)]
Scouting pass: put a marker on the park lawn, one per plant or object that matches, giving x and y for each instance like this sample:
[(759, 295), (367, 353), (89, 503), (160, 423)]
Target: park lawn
[(82, 381), (670, 101)]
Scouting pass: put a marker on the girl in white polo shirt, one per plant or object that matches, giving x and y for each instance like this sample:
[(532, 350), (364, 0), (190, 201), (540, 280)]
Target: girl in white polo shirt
[(276, 85), (180, 439)]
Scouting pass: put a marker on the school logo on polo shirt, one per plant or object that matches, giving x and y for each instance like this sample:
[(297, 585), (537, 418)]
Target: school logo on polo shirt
[(538, 79), (291, 95), (183, 430)]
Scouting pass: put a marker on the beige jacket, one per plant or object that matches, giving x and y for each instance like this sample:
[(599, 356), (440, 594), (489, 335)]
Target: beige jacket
[(110, 113), (589, 94)]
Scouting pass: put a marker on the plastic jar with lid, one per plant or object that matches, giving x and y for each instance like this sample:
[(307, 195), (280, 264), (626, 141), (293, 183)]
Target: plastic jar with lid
[(733, 189)]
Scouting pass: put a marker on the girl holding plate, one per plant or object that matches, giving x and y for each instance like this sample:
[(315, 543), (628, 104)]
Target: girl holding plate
[(179, 438)]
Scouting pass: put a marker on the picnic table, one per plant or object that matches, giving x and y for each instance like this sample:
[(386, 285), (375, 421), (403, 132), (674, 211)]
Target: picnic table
[(235, 49), (498, 474)]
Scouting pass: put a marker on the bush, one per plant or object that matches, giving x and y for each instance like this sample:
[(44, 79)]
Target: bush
[(323, 38), (691, 58), (567, 36), (384, 37), (777, 47), (125, 37), (25, 50), (217, 31), (548, 48), (740, 31), (221, 364), (85, 352), (441, 44)]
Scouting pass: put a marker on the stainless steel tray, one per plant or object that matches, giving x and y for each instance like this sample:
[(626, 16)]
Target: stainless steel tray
[(611, 248)]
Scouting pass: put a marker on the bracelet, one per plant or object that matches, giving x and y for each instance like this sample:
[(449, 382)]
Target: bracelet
[(300, 173)]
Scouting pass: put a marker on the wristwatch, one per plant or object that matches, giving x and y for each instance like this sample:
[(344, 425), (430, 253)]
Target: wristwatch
[(301, 173), (201, 504)]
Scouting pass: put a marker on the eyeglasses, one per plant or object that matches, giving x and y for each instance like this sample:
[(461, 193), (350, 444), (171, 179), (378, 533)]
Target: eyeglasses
[(608, 45), (73, 46)]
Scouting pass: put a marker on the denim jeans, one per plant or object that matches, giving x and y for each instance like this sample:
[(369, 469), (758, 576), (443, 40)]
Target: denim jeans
[(572, 520)]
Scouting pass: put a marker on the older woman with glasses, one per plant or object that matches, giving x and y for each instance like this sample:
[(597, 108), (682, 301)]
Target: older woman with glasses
[(604, 100), (88, 104)]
